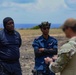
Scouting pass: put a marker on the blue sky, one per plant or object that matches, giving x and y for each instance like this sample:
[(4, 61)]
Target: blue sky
[(36, 11)]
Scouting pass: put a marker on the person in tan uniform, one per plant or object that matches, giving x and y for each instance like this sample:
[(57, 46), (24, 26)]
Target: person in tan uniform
[(65, 63)]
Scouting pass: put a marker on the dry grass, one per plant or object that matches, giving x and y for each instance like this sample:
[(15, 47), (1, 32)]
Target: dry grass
[(30, 32)]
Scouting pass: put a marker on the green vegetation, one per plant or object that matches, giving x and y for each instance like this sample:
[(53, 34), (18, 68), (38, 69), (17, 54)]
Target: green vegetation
[(35, 27)]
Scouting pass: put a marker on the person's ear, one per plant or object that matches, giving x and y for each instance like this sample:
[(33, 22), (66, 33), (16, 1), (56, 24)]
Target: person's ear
[(69, 29)]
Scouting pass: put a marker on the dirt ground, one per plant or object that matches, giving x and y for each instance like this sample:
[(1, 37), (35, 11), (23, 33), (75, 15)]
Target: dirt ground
[(26, 50)]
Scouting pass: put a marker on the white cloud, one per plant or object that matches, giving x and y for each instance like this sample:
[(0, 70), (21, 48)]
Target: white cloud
[(71, 4), (39, 5), (35, 12)]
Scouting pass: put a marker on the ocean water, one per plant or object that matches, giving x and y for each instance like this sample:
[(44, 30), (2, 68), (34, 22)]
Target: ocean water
[(18, 26)]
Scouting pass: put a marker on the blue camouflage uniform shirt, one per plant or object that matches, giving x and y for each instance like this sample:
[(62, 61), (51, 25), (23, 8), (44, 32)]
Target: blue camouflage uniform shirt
[(41, 42)]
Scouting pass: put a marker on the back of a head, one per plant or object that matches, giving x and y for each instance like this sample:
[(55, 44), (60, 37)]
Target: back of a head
[(71, 22)]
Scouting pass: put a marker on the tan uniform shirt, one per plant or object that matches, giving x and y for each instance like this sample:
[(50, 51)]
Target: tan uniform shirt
[(65, 54)]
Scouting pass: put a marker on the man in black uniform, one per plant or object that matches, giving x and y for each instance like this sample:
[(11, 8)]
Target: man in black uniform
[(10, 42)]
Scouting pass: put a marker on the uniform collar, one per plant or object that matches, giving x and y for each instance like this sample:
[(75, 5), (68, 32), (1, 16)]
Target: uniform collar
[(8, 32), (43, 39), (73, 39)]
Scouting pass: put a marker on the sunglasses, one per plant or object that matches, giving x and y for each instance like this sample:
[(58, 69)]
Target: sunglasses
[(44, 28)]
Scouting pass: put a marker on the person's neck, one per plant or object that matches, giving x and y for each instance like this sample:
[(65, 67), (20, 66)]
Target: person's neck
[(73, 35), (9, 32), (45, 36)]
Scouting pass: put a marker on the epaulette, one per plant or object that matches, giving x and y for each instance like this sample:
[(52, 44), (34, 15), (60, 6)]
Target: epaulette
[(64, 42)]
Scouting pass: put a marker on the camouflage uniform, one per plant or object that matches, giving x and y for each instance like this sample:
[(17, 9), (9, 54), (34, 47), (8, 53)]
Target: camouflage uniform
[(65, 55)]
